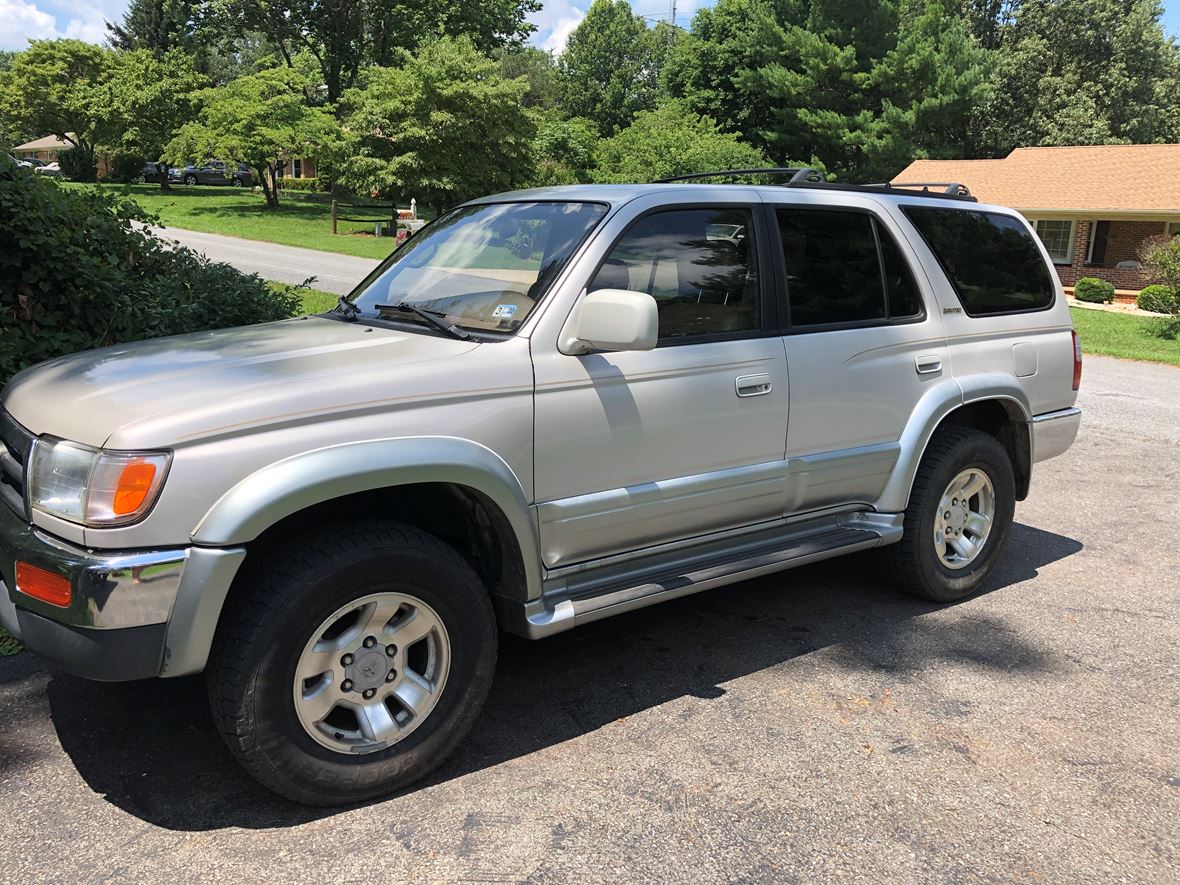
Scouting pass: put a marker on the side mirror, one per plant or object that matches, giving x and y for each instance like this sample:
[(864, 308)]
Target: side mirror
[(612, 320)]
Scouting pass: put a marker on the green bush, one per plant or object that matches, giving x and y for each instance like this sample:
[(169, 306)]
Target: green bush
[(301, 184), (76, 274), (78, 165), (1158, 299), (126, 168), (1094, 290)]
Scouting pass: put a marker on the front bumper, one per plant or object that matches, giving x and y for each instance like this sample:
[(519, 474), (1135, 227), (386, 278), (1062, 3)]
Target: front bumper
[(132, 615), (115, 625), (1054, 432)]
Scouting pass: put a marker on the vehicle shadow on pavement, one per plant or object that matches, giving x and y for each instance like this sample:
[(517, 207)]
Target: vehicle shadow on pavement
[(151, 748)]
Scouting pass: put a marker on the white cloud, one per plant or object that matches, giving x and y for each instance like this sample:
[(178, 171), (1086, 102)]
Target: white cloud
[(555, 21), (20, 20)]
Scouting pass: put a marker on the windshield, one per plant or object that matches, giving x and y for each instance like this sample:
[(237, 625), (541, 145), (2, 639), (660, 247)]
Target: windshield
[(480, 267)]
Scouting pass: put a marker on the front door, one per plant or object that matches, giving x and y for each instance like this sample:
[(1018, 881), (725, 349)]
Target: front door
[(634, 449)]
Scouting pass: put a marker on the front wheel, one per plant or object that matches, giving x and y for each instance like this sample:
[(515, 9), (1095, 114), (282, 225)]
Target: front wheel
[(353, 663), (958, 517), (190, 179)]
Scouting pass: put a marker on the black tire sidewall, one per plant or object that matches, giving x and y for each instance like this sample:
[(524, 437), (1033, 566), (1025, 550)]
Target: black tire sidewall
[(977, 451), (452, 592)]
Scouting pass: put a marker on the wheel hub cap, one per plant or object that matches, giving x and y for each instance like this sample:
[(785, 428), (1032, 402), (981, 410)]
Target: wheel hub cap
[(964, 518), (371, 673)]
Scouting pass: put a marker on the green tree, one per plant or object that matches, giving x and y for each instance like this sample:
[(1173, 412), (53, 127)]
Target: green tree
[(443, 127), (155, 25), (1082, 72), (538, 68), (608, 68), (347, 36), (563, 151), (55, 87), (150, 99), (261, 120), (671, 140)]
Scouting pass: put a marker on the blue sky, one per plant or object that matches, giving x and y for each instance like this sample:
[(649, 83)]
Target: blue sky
[(22, 19)]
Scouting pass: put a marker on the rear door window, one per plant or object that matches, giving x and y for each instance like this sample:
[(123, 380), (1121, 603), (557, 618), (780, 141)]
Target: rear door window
[(991, 259), (844, 268)]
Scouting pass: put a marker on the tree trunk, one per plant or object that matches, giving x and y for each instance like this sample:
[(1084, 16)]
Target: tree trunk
[(162, 171)]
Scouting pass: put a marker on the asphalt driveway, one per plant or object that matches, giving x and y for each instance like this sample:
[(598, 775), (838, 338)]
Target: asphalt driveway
[(812, 725)]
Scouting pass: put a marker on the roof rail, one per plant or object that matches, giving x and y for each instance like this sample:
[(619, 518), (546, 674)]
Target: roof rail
[(797, 174), (951, 188)]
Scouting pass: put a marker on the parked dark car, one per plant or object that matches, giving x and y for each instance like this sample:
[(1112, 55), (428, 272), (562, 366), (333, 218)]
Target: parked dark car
[(214, 172), (151, 173)]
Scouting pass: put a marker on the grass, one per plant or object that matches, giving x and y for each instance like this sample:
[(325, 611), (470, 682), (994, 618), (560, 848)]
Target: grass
[(8, 645), (1125, 336), (311, 300), (302, 219)]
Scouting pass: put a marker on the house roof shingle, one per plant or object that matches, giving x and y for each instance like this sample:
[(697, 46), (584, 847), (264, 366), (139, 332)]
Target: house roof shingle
[(1116, 177), (46, 143)]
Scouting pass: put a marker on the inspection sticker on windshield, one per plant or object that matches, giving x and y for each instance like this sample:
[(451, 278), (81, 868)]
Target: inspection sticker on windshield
[(504, 311)]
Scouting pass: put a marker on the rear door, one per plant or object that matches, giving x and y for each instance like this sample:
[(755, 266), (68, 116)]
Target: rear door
[(638, 448), (864, 342)]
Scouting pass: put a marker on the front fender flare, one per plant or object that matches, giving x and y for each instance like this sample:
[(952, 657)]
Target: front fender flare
[(286, 487)]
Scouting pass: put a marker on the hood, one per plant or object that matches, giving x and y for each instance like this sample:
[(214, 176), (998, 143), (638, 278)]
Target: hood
[(168, 391)]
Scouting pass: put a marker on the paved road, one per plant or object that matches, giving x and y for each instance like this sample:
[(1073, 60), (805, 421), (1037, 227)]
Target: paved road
[(813, 725), (287, 264)]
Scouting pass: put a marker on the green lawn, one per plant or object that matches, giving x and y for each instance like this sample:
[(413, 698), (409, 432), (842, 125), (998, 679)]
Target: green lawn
[(1126, 336), (312, 300), (302, 219)]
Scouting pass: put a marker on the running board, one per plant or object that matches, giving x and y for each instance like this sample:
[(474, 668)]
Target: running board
[(600, 593)]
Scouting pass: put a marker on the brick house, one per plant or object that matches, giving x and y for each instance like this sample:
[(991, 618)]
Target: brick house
[(44, 149), (1092, 206)]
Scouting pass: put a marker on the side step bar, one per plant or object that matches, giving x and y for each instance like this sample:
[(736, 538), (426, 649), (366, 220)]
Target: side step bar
[(563, 606)]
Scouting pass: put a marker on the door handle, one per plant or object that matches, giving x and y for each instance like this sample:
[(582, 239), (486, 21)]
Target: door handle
[(753, 385), (928, 364)]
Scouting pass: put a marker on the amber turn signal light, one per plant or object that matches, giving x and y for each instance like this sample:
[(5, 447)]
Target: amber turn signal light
[(40, 584), (134, 484)]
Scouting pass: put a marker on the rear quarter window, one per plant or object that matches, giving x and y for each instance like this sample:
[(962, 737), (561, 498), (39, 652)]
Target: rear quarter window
[(991, 259)]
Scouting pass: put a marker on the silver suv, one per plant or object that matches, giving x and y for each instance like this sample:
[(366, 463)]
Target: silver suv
[(549, 407)]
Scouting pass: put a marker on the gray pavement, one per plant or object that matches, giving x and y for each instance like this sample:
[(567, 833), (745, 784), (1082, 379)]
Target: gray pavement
[(287, 264), (808, 726)]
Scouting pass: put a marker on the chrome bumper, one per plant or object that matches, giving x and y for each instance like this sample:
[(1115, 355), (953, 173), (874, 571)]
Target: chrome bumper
[(1054, 432), (131, 614)]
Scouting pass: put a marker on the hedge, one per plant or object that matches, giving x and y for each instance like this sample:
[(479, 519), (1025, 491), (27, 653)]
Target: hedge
[(1094, 290), (1158, 299), (75, 273), (302, 184)]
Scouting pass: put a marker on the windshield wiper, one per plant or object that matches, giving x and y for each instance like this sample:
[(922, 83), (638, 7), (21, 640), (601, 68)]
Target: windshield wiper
[(346, 307), (430, 316)]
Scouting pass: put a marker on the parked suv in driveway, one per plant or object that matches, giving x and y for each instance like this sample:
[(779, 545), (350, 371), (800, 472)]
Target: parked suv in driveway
[(549, 407)]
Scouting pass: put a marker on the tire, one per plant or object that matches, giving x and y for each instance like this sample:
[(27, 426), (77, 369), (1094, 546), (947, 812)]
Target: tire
[(236, 182), (939, 572), (190, 180), (268, 631)]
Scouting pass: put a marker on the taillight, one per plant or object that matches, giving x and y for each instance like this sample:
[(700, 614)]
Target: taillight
[(1077, 360)]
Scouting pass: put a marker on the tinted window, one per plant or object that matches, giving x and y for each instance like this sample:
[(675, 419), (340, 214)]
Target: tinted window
[(698, 264), (835, 274), (991, 259)]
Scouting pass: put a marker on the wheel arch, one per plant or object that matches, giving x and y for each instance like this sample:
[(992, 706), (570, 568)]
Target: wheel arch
[(994, 403)]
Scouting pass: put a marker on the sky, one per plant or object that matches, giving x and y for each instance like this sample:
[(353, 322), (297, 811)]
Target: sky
[(84, 19)]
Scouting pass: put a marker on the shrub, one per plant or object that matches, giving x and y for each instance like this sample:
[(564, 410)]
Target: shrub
[(1158, 299), (301, 184), (126, 168), (78, 164), (1094, 290), (75, 273)]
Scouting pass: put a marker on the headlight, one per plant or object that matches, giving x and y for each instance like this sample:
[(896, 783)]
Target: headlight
[(93, 487)]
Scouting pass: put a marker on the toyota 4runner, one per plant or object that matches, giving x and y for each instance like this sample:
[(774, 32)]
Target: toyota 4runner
[(549, 407)]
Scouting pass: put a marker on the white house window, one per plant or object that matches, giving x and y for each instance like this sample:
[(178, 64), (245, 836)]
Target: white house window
[(1057, 235)]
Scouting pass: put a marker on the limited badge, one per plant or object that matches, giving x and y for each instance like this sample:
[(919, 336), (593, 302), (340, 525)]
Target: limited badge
[(504, 311)]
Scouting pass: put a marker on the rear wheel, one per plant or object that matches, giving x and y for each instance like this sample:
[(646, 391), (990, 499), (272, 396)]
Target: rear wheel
[(957, 521), (353, 663), (190, 179)]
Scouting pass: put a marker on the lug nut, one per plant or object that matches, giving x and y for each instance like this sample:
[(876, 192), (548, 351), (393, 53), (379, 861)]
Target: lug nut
[(346, 685), (391, 675), (946, 515), (369, 693), (391, 650), (346, 660), (370, 642)]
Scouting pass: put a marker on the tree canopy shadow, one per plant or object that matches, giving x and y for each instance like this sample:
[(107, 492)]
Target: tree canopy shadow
[(152, 750)]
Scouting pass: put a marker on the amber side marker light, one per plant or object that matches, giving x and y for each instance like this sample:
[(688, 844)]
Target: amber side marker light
[(40, 584), (134, 484)]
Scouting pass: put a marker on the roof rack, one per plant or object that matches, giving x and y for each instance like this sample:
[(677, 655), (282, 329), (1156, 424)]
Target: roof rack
[(797, 174), (805, 176), (948, 188)]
